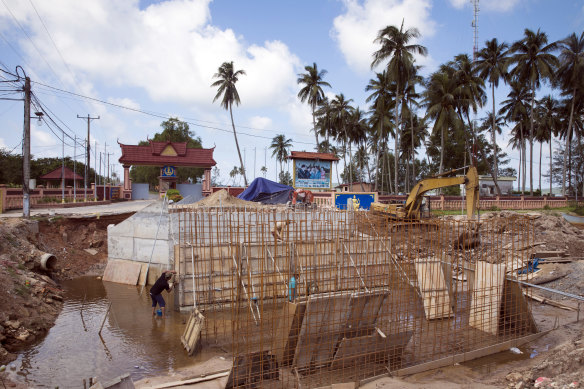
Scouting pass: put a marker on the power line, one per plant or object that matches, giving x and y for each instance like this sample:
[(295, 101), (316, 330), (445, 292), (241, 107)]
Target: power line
[(158, 115), (51, 38)]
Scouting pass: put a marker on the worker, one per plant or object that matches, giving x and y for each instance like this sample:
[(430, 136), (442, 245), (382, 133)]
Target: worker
[(156, 290)]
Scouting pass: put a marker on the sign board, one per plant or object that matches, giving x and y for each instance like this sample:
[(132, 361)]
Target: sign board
[(168, 171), (362, 200), (312, 174)]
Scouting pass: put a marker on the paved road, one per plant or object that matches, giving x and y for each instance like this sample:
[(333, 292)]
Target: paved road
[(90, 210)]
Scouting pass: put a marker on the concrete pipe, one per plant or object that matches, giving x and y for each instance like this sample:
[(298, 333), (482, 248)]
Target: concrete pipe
[(48, 261)]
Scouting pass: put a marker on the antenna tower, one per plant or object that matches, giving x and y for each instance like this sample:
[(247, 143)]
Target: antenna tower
[(475, 28)]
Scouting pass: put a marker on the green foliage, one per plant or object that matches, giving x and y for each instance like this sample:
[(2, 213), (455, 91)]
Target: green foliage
[(174, 195), (173, 130), (547, 207), (578, 210), (494, 208), (285, 178)]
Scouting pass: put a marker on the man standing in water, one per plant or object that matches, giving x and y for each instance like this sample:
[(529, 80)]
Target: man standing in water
[(156, 290)]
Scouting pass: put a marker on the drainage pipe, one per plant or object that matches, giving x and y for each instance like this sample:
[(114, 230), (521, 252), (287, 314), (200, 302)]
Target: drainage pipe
[(48, 261)]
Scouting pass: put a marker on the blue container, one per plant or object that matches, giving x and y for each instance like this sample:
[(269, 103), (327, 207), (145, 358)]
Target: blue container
[(158, 312)]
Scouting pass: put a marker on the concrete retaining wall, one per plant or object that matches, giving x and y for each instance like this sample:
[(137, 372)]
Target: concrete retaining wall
[(133, 239)]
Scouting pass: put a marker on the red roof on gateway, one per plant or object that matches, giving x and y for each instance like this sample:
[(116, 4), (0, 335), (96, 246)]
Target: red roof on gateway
[(166, 153)]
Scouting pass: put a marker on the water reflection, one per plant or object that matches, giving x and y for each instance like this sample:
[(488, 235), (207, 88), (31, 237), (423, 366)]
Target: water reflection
[(132, 340)]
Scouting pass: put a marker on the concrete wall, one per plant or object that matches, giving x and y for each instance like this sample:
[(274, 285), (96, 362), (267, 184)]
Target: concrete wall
[(133, 239), (194, 190), (140, 191)]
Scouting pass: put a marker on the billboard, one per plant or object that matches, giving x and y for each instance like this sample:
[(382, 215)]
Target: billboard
[(357, 200), (312, 174)]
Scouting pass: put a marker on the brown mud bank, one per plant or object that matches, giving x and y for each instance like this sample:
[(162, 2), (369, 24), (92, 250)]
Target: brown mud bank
[(31, 297)]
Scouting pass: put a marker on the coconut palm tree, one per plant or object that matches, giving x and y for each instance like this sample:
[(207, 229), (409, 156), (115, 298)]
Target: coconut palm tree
[(516, 109), (341, 111), (227, 78), (570, 75), (548, 125), (380, 118), (534, 62), (396, 47), (312, 90), (280, 149), (441, 103), (492, 66)]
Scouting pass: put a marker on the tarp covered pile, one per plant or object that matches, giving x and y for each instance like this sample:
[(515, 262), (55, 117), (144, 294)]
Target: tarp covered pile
[(265, 191)]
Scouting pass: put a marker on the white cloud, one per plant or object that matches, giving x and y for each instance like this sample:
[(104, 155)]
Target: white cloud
[(2, 143), (488, 5), (169, 49), (260, 122), (357, 28), (124, 102)]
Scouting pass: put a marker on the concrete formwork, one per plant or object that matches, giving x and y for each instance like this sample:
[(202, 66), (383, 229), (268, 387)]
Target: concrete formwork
[(370, 295)]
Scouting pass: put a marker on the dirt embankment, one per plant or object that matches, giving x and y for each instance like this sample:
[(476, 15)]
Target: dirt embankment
[(31, 297)]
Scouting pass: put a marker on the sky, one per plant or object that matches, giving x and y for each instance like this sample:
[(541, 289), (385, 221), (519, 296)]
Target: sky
[(156, 59)]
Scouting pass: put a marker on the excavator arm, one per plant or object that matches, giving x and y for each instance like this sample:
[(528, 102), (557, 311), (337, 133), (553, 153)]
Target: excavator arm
[(411, 209)]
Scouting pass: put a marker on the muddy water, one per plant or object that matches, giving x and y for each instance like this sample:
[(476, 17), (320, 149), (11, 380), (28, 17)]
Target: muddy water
[(133, 341)]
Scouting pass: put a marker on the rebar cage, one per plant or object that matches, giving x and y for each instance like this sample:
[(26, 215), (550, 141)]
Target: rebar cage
[(325, 296)]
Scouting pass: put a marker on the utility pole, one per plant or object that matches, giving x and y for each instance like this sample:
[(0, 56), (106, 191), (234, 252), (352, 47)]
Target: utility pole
[(26, 151), (75, 169), (95, 175), (63, 168), (89, 119)]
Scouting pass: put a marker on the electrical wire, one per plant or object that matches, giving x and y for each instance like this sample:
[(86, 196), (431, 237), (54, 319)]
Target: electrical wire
[(160, 115)]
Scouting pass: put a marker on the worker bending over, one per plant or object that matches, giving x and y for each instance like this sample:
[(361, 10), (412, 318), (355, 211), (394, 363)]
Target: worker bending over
[(156, 290)]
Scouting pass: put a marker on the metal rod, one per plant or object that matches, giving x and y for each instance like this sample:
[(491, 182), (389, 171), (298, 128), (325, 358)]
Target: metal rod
[(574, 296), (104, 317)]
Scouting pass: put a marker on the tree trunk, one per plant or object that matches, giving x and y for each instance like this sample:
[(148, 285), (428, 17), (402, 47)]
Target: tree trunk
[(493, 175), (392, 189), (522, 150), (568, 142), (413, 146), (551, 180), (314, 129), (395, 157), (520, 167), (494, 136), (237, 146), (540, 147), (441, 151), (531, 140)]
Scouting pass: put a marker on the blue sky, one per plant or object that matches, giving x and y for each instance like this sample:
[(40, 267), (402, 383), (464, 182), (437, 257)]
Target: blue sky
[(159, 56)]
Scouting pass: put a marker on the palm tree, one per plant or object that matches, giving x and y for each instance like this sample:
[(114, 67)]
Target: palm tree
[(341, 110), (395, 47), (492, 65), (227, 78), (548, 125), (312, 90), (280, 147), (516, 110), (441, 103), (380, 118), (534, 63), (570, 75)]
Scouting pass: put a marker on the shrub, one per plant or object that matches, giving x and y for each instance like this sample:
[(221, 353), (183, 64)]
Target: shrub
[(547, 207), (494, 208), (174, 195)]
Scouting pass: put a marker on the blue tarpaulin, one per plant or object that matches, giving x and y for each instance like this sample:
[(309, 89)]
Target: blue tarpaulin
[(265, 191)]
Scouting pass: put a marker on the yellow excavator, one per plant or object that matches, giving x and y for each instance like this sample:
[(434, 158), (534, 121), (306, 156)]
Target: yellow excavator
[(410, 211)]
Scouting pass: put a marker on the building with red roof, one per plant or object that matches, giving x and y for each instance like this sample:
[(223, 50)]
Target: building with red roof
[(54, 179), (168, 155)]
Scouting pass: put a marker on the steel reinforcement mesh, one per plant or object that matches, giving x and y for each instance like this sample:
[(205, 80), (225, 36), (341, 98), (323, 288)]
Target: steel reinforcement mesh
[(315, 298)]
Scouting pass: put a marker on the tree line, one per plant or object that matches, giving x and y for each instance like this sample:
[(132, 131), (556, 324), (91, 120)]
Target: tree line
[(437, 112)]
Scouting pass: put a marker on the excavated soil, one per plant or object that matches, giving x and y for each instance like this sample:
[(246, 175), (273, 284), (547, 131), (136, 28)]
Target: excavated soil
[(31, 298)]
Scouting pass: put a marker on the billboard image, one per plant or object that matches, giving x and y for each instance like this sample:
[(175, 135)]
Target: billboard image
[(311, 174)]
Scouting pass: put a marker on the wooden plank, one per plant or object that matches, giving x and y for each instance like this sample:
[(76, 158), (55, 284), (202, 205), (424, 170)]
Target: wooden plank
[(468, 356), (432, 285), (142, 278), (284, 342), (548, 254), (122, 271), (486, 297), (370, 347), (192, 334)]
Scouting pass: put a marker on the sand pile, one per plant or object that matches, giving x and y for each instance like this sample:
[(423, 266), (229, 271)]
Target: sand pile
[(222, 198)]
